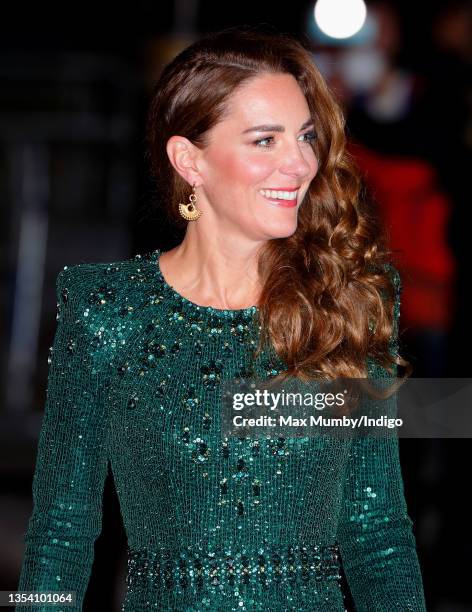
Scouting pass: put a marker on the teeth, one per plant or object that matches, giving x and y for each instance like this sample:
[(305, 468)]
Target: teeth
[(279, 195)]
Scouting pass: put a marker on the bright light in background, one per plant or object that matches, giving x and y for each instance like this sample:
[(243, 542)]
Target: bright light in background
[(340, 18)]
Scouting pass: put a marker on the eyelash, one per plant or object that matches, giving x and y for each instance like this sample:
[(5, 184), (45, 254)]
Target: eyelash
[(312, 137)]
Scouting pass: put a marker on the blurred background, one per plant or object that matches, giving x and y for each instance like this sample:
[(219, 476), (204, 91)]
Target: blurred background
[(75, 83)]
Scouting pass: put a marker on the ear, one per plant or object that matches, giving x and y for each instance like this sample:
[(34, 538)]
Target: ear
[(183, 156)]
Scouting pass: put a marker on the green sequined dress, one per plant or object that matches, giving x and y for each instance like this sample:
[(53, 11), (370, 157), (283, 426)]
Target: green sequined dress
[(212, 523)]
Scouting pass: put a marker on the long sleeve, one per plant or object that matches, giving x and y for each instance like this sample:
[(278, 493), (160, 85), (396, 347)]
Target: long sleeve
[(375, 536), (71, 462)]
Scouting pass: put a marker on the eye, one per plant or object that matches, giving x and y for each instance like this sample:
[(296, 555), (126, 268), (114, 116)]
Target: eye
[(257, 142), (309, 136)]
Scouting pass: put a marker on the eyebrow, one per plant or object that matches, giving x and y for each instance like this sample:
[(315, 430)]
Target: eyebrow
[(275, 128)]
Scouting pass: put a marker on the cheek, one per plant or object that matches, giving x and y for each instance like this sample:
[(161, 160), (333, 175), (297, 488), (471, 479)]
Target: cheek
[(314, 165), (243, 170)]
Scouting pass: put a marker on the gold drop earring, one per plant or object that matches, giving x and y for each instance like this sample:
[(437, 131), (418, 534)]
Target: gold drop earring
[(190, 211)]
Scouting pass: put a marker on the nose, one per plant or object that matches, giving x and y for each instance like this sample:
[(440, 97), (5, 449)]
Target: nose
[(295, 162)]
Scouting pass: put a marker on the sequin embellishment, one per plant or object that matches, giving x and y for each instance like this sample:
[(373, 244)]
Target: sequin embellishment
[(197, 569), (218, 524)]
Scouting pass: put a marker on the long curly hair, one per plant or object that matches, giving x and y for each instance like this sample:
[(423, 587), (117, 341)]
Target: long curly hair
[(327, 300)]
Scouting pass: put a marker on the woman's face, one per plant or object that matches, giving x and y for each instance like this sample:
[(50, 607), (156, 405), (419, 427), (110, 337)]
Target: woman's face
[(241, 162)]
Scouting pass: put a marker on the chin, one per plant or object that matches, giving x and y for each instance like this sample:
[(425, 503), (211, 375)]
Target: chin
[(283, 231)]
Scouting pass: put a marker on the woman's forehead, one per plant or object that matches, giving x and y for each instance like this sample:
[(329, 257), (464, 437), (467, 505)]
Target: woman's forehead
[(267, 98)]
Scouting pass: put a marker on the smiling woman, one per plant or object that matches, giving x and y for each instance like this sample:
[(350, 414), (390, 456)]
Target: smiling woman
[(281, 272), (247, 122)]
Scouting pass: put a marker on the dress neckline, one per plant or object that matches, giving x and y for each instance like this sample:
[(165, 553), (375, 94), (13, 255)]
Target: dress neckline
[(249, 311)]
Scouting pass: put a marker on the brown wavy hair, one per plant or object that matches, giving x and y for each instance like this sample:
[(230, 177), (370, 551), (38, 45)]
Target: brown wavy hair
[(328, 292)]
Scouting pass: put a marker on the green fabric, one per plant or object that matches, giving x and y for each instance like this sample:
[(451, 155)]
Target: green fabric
[(212, 523)]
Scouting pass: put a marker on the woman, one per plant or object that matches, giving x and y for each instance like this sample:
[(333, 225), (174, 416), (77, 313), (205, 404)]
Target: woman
[(281, 272)]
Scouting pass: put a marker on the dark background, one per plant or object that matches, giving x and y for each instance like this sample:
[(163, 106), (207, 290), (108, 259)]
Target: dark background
[(75, 80)]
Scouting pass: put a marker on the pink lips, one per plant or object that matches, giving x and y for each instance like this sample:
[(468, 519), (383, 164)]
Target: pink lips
[(285, 203)]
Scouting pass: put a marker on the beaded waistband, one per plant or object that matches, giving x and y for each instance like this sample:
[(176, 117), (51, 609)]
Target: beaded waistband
[(190, 568)]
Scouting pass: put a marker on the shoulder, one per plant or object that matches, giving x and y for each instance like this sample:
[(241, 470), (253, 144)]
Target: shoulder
[(374, 369), (101, 305), (395, 289), (391, 271), (394, 276), (395, 279), (105, 286)]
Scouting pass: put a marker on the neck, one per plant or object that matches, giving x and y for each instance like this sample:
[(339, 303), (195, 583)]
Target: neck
[(213, 272)]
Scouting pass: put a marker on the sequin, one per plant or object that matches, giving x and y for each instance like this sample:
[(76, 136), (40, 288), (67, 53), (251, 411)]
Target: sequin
[(198, 569), (213, 523)]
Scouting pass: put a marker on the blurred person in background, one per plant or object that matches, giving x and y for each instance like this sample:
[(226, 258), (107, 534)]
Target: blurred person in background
[(411, 133), (386, 104)]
